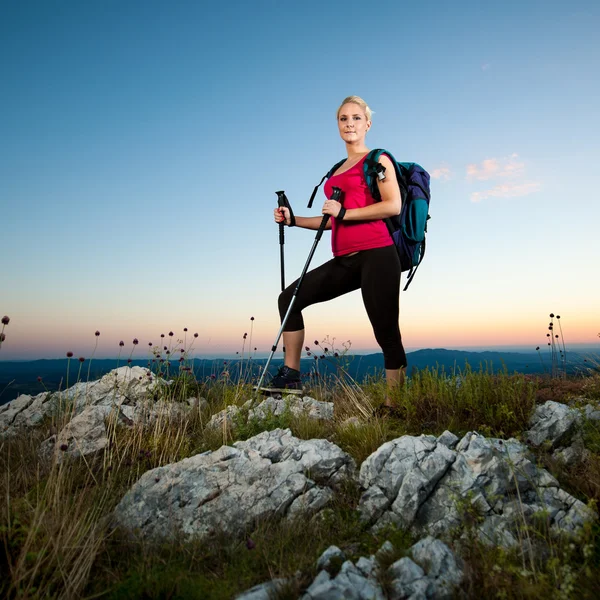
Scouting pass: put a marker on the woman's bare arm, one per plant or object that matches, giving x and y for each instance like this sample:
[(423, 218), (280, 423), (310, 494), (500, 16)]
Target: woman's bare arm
[(304, 222)]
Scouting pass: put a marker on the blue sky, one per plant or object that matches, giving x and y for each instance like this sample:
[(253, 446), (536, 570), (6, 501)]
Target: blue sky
[(143, 142)]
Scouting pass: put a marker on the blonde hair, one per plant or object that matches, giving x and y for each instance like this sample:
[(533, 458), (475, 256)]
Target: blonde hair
[(356, 100)]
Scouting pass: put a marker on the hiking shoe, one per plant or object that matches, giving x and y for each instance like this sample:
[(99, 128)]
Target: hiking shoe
[(287, 380)]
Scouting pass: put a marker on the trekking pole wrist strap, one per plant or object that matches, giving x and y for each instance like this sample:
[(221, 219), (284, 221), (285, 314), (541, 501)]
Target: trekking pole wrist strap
[(292, 220), (341, 214)]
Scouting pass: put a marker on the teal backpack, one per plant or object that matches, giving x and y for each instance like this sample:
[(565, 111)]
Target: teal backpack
[(407, 229)]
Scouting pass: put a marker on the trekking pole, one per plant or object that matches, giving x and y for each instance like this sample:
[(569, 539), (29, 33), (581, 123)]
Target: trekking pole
[(337, 194), (282, 201)]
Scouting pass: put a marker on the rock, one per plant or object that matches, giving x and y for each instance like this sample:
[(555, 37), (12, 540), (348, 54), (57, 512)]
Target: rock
[(229, 489), (422, 485), (23, 412), (263, 591), (308, 406), (121, 387), (448, 439), (197, 404), (559, 427), (407, 578), (310, 502), (573, 454), (276, 407), (386, 548), (367, 566), (129, 412), (84, 435), (433, 572), (333, 553), (228, 414), (349, 584), (125, 385), (552, 423), (17, 410), (440, 565), (400, 475), (591, 412), (11, 409), (148, 412)]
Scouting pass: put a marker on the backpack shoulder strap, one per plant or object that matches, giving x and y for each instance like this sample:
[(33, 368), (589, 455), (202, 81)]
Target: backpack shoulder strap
[(373, 170), (326, 176)]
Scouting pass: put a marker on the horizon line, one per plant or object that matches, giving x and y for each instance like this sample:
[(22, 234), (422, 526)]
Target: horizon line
[(517, 348)]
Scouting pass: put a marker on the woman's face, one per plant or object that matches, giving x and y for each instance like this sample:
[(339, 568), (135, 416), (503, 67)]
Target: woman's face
[(353, 123)]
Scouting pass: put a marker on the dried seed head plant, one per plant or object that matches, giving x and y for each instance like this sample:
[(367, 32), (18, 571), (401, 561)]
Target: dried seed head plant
[(5, 321)]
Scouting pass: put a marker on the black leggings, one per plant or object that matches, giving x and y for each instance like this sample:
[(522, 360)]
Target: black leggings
[(377, 273)]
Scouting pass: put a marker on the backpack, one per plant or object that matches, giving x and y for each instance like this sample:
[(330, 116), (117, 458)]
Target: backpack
[(407, 229)]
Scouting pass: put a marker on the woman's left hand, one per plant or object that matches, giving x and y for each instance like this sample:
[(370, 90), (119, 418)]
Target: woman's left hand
[(332, 208)]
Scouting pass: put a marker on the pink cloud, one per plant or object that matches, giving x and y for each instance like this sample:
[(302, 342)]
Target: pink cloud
[(441, 173), (508, 190), (494, 167)]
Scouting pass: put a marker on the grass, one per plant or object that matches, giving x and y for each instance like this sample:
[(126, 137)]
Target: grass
[(57, 540)]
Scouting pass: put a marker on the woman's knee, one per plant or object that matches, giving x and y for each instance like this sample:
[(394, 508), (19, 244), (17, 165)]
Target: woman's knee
[(284, 301), (394, 356), (294, 321)]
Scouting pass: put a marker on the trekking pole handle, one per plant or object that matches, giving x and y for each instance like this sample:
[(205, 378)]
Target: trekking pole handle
[(282, 198), (283, 202), (337, 196)]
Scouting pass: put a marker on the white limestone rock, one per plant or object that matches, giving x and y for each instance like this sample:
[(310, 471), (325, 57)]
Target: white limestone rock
[(332, 553), (226, 416), (552, 423), (125, 386), (306, 405), (229, 489), (86, 434), (420, 484)]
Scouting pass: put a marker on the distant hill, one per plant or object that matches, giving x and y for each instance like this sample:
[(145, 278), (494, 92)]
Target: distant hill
[(450, 361), (21, 377)]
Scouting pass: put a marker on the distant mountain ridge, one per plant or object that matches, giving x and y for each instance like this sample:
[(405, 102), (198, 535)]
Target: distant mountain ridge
[(21, 377)]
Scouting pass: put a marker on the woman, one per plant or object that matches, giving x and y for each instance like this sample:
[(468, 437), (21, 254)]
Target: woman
[(365, 257)]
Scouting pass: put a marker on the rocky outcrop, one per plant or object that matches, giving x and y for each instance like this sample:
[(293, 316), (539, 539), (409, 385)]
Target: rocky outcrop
[(430, 570), (122, 386), (297, 406), (271, 474), (423, 484), (426, 484), (273, 407), (130, 390), (558, 427)]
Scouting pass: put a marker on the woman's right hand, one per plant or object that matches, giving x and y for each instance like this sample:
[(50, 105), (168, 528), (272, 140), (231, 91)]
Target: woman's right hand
[(282, 215)]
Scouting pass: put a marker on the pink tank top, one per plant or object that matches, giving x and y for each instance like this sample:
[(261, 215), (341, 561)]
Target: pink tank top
[(353, 236)]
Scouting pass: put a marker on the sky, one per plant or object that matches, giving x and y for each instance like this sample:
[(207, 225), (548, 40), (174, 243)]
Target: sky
[(142, 144)]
